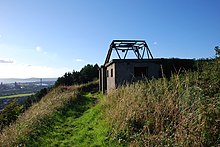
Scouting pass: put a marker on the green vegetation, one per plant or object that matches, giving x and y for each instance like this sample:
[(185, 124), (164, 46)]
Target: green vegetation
[(10, 113), (181, 111), (63, 117), (17, 95), (37, 116), (217, 51), (79, 124), (87, 74)]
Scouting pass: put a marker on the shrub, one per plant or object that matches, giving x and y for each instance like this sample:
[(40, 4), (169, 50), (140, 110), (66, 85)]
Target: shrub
[(10, 113), (209, 77)]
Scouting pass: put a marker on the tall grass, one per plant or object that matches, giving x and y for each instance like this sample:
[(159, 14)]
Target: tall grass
[(78, 124), (37, 116), (181, 111), (164, 112)]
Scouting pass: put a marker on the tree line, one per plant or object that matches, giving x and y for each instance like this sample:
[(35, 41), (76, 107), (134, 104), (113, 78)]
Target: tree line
[(87, 74)]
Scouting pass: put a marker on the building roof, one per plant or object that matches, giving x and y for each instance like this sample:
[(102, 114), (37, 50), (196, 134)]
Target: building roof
[(156, 60)]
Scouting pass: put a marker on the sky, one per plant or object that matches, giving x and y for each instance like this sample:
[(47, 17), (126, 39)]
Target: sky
[(46, 38)]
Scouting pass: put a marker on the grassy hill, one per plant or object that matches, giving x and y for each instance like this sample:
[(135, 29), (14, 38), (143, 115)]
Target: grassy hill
[(181, 111), (37, 116), (79, 124), (64, 117)]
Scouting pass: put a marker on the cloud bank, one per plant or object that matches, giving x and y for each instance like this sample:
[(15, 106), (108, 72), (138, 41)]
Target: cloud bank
[(28, 71), (6, 61)]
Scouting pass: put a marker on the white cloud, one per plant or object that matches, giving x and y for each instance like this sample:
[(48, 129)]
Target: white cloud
[(6, 60), (28, 71), (38, 49), (79, 60), (155, 43), (0, 36)]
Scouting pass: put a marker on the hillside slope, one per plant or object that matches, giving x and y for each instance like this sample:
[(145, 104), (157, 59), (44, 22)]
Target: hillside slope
[(181, 111), (37, 116), (64, 117), (79, 124)]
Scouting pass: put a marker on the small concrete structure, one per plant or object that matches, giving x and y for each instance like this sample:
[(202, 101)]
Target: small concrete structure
[(120, 72), (117, 72)]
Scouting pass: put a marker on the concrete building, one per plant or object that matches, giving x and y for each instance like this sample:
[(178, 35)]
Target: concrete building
[(116, 72)]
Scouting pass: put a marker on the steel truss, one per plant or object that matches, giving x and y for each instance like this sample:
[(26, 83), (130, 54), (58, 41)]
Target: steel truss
[(139, 47)]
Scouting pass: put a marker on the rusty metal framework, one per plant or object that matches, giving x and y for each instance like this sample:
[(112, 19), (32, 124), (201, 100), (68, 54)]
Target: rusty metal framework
[(139, 47)]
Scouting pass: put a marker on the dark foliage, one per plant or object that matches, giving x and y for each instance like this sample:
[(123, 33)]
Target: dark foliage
[(87, 74), (10, 113), (91, 87), (209, 82), (209, 76)]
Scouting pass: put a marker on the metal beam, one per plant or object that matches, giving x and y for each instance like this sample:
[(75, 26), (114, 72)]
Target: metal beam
[(129, 45), (118, 53)]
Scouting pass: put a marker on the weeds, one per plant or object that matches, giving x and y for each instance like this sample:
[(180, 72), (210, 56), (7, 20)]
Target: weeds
[(37, 116), (182, 111)]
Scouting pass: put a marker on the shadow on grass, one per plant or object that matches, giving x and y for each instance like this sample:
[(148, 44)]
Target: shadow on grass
[(60, 121), (77, 107)]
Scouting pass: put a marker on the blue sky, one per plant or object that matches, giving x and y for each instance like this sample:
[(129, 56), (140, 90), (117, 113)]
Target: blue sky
[(46, 38)]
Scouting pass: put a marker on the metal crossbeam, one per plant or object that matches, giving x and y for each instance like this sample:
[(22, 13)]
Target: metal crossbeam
[(129, 45)]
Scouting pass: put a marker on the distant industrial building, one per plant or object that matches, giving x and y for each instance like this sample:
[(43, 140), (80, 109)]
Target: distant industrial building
[(127, 69)]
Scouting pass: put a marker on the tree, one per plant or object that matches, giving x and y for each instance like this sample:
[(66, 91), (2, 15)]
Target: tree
[(76, 76), (87, 73), (67, 79), (217, 51)]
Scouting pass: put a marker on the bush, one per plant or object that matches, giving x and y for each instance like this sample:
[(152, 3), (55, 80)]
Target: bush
[(10, 113), (209, 76)]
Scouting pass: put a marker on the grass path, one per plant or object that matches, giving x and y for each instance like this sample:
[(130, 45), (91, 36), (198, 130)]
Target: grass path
[(17, 95), (80, 124)]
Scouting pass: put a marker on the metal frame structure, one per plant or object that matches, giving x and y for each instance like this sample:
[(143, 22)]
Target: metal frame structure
[(139, 47)]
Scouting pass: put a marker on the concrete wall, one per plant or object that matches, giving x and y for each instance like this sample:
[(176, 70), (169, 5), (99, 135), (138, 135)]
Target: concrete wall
[(125, 71), (102, 79), (110, 77)]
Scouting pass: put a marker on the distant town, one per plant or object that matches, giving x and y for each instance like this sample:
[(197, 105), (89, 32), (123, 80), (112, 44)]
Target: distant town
[(21, 89), (23, 86)]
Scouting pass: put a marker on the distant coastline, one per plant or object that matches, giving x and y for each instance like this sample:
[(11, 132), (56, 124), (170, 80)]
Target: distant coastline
[(18, 80)]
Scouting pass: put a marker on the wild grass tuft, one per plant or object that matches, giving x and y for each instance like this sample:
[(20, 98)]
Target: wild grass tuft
[(37, 116), (173, 112)]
